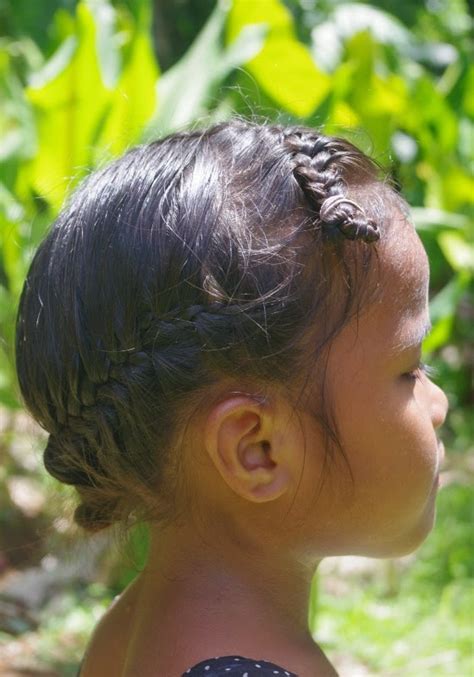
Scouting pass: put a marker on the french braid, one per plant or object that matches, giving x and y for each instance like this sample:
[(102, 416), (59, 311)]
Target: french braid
[(87, 449)]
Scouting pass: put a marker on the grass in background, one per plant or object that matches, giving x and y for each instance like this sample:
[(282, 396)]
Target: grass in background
[(414, 616)]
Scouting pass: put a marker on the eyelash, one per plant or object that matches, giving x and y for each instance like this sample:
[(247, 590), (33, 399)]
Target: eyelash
[(422, 368)]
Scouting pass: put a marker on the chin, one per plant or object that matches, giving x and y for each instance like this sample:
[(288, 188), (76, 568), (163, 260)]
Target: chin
[(409, 542)]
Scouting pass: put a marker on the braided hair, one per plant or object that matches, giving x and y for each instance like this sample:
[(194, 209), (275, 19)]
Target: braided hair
[(199, 257), (318, 161)]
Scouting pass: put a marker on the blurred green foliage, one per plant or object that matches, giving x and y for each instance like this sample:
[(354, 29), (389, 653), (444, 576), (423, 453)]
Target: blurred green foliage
[(418, 620), (80, 82)]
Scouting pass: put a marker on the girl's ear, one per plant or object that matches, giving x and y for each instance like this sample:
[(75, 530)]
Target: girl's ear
[(251, 452)]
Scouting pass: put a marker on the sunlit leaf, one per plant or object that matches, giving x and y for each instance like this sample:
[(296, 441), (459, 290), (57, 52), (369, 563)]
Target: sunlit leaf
[(348, 19), (430, 119), (458, 251), (271, 12), (107, 41), (186, 91), (134, 98), (458, 185), (426, 218), (283, 68), (468, 99), (344, 115), (12, 245), (69, 101), (442, 312)]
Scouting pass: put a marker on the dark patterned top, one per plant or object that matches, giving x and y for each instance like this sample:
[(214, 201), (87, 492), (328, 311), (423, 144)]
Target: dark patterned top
[(237, 666)]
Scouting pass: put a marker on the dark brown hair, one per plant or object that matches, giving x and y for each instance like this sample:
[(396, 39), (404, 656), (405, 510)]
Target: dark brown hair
[(200, 256)]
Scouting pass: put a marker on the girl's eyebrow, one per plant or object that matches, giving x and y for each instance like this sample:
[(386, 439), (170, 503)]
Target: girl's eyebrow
[(415, 338), (423, 333)]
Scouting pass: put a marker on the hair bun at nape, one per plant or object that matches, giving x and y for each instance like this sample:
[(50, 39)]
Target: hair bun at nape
[(58, 460), (69, 457), (94, 517), (99, 507)]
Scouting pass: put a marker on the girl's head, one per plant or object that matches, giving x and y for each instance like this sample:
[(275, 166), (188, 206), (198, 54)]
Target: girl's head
[(231, 319)]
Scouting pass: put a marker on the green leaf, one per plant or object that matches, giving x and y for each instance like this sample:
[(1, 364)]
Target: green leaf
[(443, 310), (468, 99), (283, 68), (430, 120), (457, 184), (286, 72), (134, 98), (56, 64), (458, 252), (426, 218), (445, 302), (347, 20), (69, 101), (247, 45), (7, 398), (9, 254), (271, 12), (107, 40), (185, 90), (16, 121), (439, 335)]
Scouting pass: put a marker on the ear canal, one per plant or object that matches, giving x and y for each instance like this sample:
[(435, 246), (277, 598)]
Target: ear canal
[(257, 456)]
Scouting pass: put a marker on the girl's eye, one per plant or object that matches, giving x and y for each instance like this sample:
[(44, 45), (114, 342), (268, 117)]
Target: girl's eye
[(419, 370)]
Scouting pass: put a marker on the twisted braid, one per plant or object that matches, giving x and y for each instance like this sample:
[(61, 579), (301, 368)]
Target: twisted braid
[(318, 167)]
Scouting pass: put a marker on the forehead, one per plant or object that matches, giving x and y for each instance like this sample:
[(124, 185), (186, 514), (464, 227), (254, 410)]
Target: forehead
[(397, 319), (402, 313), (401, 275), (399, 316), (404, 270)]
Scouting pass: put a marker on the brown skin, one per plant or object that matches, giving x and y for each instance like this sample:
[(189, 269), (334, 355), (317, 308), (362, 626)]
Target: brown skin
[(233, 576)]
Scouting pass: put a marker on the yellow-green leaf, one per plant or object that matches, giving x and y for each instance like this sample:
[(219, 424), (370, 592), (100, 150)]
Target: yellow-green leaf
[(271, 12), (286, 72), (458, 251), (134, 99), (284, 68), (69, 107)]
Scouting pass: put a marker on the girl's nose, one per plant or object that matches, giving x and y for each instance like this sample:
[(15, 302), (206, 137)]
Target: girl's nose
[(439, 406)]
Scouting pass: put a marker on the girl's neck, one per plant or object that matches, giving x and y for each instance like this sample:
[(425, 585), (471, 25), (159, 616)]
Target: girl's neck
[(205, 598), (197, 599)]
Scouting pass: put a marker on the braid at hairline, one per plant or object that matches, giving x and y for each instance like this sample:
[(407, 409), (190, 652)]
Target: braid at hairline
[(316, 170)]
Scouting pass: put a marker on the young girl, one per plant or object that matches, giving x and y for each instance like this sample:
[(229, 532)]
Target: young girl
[(222, 335)]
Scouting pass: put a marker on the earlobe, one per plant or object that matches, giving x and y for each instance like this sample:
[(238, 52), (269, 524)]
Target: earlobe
[(241, 441)]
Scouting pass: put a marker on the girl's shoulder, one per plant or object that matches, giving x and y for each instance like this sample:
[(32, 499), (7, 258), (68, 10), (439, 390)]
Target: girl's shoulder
[(106, 651), (237, 666)]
